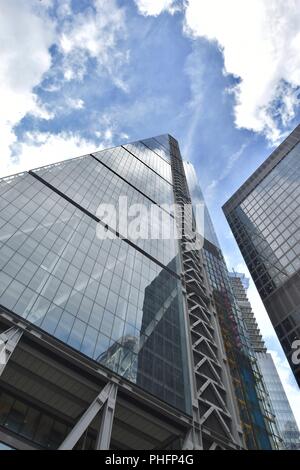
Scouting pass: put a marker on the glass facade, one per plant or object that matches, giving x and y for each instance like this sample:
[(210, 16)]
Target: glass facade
[(89, 184), (264, 216), (267, 223), (143, 177), (253, 410), (285, 419), (117, 301)]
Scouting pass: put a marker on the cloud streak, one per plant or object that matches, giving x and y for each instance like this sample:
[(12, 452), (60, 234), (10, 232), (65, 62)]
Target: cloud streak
[(230, 162), (260, 43)]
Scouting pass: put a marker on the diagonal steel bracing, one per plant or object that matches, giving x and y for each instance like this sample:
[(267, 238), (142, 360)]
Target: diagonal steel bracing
[(105, 403)]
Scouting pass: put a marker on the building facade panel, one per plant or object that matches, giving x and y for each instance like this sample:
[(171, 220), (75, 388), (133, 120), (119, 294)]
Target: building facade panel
[(116, 202), (136, 172), (146, 321), (279, 404)]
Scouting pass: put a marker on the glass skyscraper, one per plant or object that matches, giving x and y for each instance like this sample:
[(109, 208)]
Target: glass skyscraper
[(257, 420), (264, 217), (90, 293), (280, 406), (108, 342)]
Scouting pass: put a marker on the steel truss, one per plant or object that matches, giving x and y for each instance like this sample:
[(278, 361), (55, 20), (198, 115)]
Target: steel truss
[(216, 425)]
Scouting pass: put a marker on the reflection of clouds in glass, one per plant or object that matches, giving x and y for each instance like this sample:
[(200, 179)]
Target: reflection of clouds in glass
[(122, 357), (204, 226)]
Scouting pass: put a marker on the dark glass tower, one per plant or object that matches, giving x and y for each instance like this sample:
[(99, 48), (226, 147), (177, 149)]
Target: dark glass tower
[(264, 217), (107, 342)]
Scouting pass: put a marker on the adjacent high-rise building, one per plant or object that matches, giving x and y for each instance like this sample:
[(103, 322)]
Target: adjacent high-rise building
[(109, 339), (285, 419), (264, 217)]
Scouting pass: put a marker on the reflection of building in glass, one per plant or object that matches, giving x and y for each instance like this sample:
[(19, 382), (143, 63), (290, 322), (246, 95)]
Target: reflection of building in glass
[(161, 329), (121, 357), (280, 406), (153, 360), (264, 217)]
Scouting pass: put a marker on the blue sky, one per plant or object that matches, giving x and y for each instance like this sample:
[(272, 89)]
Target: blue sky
[(222, 76)]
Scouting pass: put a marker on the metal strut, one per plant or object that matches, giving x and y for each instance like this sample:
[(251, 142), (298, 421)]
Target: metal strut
[(105, 403), (8, 342)]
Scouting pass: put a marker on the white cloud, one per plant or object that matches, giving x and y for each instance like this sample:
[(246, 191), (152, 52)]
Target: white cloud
[(25, 38), (108, 134), (43, 148), (195, 72), (94, 33), (155, 7), (260, 41), (26, 34)]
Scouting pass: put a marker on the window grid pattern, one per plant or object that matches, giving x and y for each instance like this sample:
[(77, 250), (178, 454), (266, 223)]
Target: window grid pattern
[(266, 225), (139, 175), (151, 159), (284, 415), (90, 184)]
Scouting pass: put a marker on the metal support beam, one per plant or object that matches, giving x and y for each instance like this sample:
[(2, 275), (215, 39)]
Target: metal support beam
[(104, 401), (8, 342), (107, 417), (192, 440)]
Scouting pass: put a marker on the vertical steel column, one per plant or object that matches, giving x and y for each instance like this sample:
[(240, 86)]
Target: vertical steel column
[(107, 417)]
